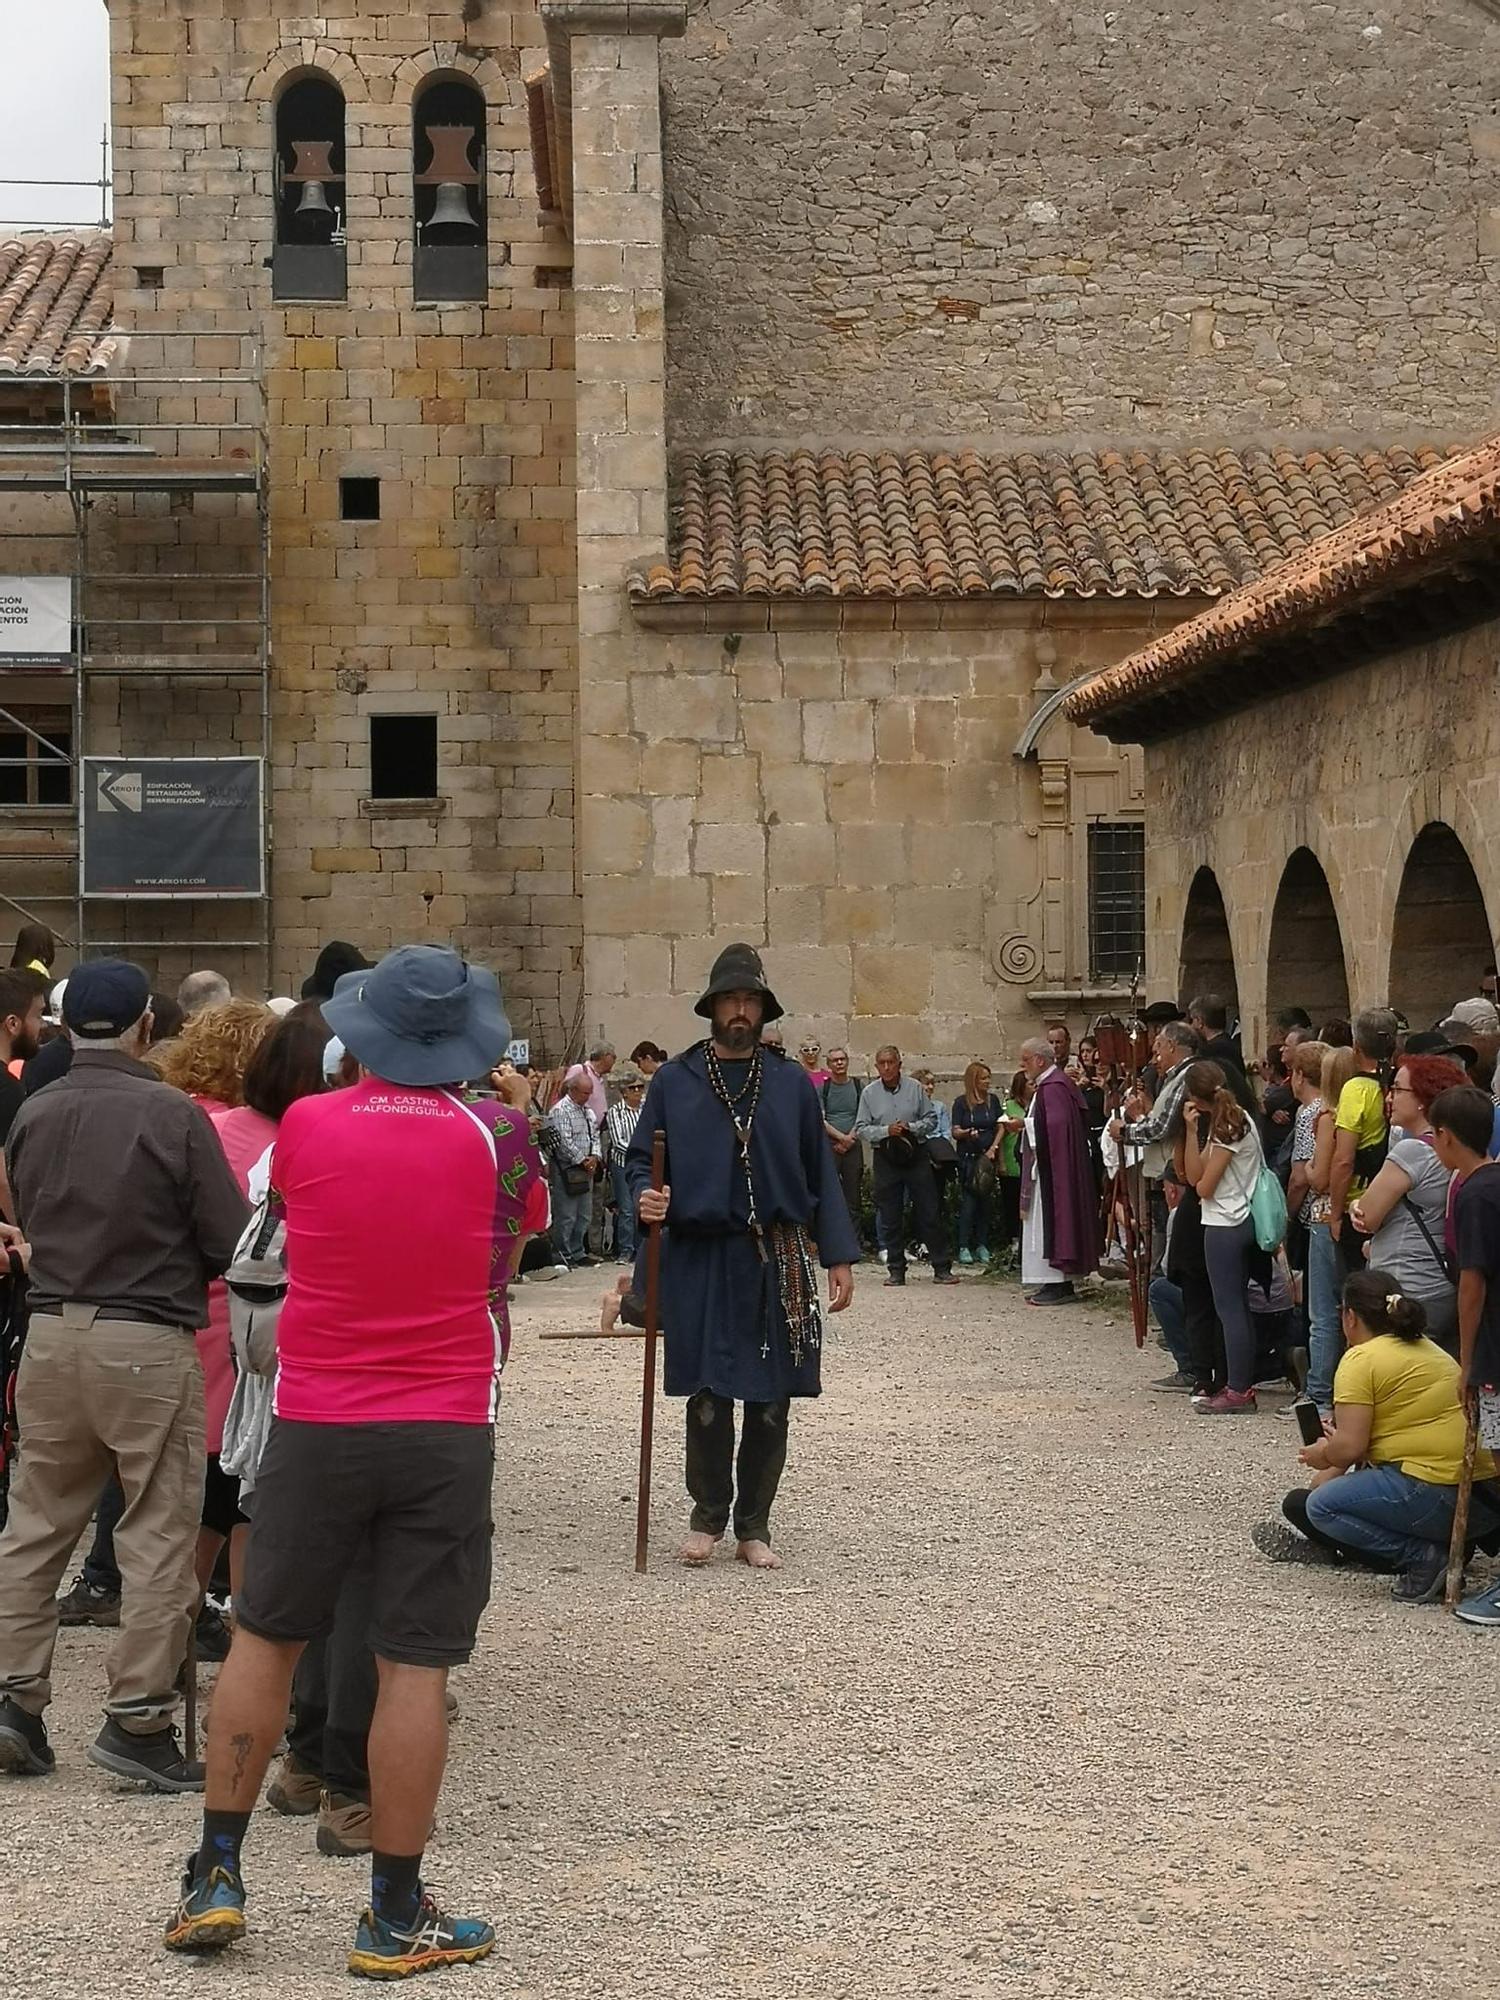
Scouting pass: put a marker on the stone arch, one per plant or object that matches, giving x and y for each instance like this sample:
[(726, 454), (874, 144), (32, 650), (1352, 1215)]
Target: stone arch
[(447, 58), (1206, 960), (1305, 962), (1441, 940), (299, 59)]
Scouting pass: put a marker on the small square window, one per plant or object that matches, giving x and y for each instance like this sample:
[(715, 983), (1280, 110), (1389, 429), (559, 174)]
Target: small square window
[(403, 757), (150, 277), (359, 499)]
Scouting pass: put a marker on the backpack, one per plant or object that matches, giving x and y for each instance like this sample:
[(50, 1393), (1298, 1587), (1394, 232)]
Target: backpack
[(1268, 1210), (257, 1285)]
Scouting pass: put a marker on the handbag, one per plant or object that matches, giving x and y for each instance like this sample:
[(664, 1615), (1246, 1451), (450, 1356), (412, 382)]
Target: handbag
[(1268, 1210), (576, 1180), (984, 1177), (942, 1152)]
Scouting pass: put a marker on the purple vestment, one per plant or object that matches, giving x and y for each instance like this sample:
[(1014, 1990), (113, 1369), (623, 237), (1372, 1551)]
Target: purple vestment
[(1061, 1176)]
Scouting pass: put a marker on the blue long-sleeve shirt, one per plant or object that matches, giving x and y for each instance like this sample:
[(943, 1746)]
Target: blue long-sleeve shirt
[(908, 1104)]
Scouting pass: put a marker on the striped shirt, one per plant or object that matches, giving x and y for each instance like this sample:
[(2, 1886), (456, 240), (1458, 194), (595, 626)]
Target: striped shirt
[(619, 1123)]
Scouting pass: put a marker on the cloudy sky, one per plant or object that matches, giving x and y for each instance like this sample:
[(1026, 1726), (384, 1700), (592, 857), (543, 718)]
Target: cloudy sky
[(54, 101)]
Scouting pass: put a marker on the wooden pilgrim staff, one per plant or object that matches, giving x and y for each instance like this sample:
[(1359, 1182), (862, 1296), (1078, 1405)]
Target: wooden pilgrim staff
[(1453, 1590), (648, 1370)]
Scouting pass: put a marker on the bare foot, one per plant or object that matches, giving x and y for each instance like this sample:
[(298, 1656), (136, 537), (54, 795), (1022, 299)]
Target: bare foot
[(609, 1305), (757, 1555), (697, 1549)]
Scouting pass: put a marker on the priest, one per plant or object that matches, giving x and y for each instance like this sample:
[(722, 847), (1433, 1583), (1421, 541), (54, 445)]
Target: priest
[(1059, 1196)]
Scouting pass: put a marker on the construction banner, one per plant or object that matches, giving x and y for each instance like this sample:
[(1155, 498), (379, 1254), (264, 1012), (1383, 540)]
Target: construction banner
[(172, 826), (36, 621)]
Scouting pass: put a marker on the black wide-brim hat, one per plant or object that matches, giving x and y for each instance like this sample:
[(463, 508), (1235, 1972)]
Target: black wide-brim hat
[(421, 1016), (738, 969)]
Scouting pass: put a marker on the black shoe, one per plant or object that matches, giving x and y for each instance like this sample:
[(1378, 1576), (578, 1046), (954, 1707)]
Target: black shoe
[(1422, 1582), (212, 1636), (1054, 1295), (87, 1604), (24, 1749), (154, 1760), (583, 1263)]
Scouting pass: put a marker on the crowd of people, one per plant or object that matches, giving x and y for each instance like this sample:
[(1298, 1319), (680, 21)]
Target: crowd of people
[(221, 1339), (1372, 1290)]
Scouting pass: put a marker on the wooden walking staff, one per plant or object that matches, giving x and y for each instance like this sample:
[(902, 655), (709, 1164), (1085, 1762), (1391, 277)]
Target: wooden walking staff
[(1455, 1584), (648, 1371)]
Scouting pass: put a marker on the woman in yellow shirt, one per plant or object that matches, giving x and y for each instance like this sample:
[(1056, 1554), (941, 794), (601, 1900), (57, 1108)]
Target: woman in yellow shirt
[(1387, 1468)]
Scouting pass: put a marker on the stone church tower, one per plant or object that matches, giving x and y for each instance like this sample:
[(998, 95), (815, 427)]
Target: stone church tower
[(290, 176)]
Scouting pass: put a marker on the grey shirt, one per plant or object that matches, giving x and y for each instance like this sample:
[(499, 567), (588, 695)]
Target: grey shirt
[(1398, 1245), (908, 1104), (841, 1103), (124, 1193)]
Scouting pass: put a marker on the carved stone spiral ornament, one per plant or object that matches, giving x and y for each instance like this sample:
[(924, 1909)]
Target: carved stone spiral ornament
[(1017, 958)]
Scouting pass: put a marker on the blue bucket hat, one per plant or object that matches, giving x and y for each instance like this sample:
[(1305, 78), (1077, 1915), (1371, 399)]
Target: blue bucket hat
[(421, 1016)]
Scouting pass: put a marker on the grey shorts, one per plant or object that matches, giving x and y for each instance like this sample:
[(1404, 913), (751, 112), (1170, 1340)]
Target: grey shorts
[(420, 1494)]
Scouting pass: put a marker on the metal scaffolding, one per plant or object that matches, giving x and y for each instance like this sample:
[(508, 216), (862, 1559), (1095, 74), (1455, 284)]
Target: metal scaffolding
[(148, 624)]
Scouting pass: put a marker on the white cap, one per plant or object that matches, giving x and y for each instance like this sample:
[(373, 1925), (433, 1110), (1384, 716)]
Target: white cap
[(281, 1006), (333, 1055), (1480, 1015)]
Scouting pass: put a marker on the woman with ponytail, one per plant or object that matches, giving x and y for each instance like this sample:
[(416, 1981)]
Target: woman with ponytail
[(1386, 1470), (1220, 1155)]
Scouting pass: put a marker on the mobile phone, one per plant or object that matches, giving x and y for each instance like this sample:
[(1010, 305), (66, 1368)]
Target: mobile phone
[(1309, 1422)]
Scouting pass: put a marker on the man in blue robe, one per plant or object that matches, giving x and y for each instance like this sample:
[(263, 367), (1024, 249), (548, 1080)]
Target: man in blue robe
[(752, 1205)]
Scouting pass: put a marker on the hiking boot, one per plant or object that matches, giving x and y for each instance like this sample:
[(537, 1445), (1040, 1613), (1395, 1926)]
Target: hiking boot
[(383, 1950), (212, 1636), (343, 1825), (155, 1760), (295, 1791), (211, 1913), (24, 1749), (87, 1604)]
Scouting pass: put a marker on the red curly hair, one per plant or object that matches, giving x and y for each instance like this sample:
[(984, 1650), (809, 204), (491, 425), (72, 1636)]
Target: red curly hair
[(1430, 1076)]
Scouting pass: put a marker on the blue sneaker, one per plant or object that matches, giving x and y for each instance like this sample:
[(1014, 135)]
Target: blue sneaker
[(382, 1950), (1481, 1609), (965, 1257), (211, 1914), (982, 1254)]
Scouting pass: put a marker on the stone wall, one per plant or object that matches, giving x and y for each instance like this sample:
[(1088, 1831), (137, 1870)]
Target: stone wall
[(460, 601), (935, 219), (851, 799), (1352, 769)]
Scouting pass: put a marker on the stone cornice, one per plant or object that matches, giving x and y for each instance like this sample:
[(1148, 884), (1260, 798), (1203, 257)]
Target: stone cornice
[(614, 17), (923, 614)]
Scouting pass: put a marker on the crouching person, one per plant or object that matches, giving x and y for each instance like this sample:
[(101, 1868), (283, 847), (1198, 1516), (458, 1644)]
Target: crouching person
[(406, 1208), (1387, 1470)]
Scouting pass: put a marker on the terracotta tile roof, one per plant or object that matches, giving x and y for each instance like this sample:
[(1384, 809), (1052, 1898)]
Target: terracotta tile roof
[(1448, 516), (1133, 523), (56, 304)]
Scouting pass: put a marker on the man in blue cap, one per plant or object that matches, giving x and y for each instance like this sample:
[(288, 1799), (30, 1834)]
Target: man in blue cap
[(407, 1207), (130, 1207)]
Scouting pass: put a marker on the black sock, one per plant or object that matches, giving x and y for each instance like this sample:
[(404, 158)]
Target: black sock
[(395, 1886), (220, 1848)]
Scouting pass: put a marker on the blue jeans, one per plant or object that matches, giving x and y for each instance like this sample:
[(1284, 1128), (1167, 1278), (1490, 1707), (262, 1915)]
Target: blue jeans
[(570, 1218), (624, 1214), (1325, 1338), (1166, 1302), (973, 1208), (1379, 1510)]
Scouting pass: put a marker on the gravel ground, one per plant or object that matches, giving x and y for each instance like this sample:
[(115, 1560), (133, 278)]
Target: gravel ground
[(1023, 1715)]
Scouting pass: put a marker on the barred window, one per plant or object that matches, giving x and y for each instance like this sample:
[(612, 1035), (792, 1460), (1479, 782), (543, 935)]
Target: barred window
[(1117, 901)]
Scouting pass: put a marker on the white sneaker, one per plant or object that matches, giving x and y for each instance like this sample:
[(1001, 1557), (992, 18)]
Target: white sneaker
[(546, 1272)]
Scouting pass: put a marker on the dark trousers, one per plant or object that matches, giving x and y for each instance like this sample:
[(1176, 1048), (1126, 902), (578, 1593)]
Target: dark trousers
[(1009, 1187), (100, 1570), (717, 1484), (894, 1188), (1205, 1338), (851, 1166), (333, 1692)]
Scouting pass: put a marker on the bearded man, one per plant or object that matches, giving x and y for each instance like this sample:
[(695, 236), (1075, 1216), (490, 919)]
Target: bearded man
[(751, 1206), (1059, 1197)]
